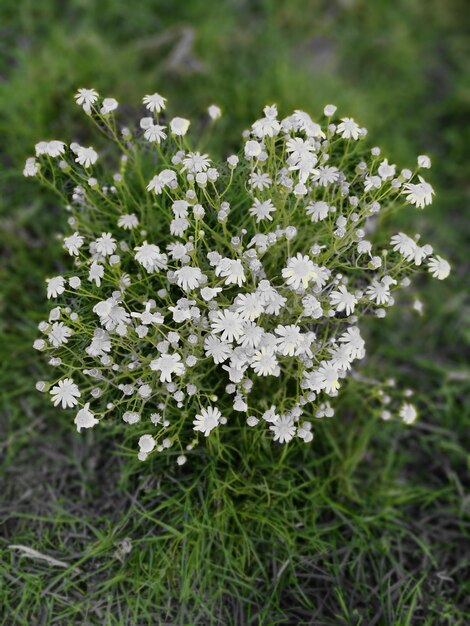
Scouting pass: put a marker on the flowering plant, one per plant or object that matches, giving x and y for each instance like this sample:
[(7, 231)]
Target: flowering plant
[(201, 291)]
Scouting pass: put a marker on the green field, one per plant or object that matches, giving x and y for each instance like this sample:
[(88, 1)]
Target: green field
[(370, 525)]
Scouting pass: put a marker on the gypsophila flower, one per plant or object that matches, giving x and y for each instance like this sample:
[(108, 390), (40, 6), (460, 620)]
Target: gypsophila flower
[(86, 156), (242, 284), (207, 420), (65, 393), (439, 267), (154, 102)]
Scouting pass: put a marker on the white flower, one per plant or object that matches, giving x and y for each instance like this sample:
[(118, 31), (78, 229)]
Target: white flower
[(249, 306), (424, 161), (439, 267), (260, 181), (214, 111), (209, 293), (299, 272), (404, 245), (155, 132), (86, 98), (51, 148), (252, 335), (325, 175), (55, 286), (166, 178), (317, 210), (229, 324), (283, 429), (179, 126), (232, 271), (419, 194), (207, 420), (150, 257), (408, 413), (343, 300), (348, 128), (146, 443), (290, 339), (378, 292), (196, 162), (262, 210), (85, 418), (109, 105), (154, 102), (329, 110), (128, 221), (59, 334), (167, 365), (252, 149), (217, 349), (131, 417), (65, 393), (188, 278), (86, 156), (385, 170), (31, 167), (105, 245), (265, 363), (96, 273), (73, 243)]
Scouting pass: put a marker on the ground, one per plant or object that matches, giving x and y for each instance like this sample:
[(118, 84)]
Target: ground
[(371, 524)]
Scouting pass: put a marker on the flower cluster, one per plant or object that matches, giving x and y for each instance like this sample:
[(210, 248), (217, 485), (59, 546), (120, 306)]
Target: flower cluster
[(202, 291)]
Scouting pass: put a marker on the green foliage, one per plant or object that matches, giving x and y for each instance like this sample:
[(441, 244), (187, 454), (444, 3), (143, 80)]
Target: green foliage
[(371, 525)]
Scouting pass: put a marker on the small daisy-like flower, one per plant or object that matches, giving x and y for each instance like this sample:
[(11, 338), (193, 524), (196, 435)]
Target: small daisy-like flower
[(73, 243), (259, 181), (283, 429), (154, 102), (196, 162), (86, 156), (404, 245), (188, 278), (439, 268), (55, 286), (65, 393), (85, 418), (348, 128), (419, 194), (207, 420), (217, 349), (290, 339), (264, 363), (155, 133), (86, 98), (105, 245), (408, 413), (343, 300), (167, 365), (299, 272), (228, 324), (128, 221), (59, 334), (262, 210), (317, 210), (150, 257), (232, 271)]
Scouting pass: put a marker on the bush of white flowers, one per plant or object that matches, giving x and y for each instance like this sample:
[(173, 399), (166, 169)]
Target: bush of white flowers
[(202, 293)]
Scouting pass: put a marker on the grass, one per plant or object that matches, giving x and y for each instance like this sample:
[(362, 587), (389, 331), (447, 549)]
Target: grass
[(371, 524)]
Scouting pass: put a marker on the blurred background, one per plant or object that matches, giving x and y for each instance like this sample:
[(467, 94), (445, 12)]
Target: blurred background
[(401, 68)]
